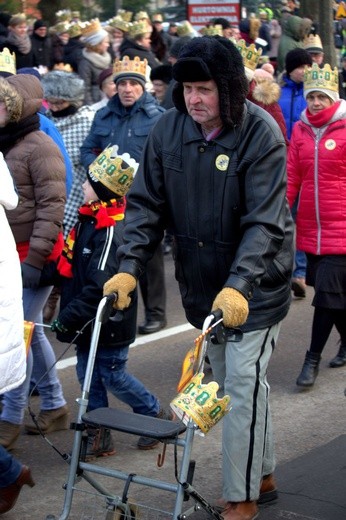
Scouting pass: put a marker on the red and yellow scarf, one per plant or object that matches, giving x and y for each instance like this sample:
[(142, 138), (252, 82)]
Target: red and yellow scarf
[(106, 214)]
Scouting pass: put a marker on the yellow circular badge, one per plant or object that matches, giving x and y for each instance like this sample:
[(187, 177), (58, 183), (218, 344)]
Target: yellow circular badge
[(222, 162), (330, 144)]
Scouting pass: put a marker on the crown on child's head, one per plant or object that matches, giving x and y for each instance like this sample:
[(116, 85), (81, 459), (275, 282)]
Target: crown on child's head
[(200, 403), (212, 30), (115, 172), (321, 78), (91, 27), (250, 54), (7, 61), (64, 15)]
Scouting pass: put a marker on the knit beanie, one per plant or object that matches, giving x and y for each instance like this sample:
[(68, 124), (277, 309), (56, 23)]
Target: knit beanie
[(213, 58), (69, 86), (106, 73), (110, 174), (296, 58), (38, 24)]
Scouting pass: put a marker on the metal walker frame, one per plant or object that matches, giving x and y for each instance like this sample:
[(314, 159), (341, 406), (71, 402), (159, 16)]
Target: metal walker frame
[(168, 432)]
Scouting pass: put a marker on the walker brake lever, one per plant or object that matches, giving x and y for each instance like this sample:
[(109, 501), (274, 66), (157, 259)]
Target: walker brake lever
[(220, 334)]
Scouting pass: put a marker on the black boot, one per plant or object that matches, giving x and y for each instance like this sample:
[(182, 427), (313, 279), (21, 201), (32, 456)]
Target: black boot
[(310, 369), (340, 359)]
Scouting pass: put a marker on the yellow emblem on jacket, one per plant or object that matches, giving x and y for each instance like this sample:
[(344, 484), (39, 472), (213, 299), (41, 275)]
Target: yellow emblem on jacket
[(222, 162)]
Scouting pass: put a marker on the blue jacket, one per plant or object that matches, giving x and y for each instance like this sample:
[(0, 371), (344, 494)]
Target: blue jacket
[(48, 127), (126, 127), (292, 102)]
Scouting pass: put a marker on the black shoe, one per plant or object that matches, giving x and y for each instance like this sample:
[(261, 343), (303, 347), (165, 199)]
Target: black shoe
[(309, 371), (147, 443), (340, 359), (149, 326)]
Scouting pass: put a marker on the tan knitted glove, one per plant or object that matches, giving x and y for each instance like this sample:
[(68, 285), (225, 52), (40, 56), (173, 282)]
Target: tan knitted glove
[(234, 307), (122, 284)]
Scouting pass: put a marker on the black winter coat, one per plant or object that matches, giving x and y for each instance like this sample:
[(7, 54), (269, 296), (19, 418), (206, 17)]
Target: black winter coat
[(225, 203), (94, 262)]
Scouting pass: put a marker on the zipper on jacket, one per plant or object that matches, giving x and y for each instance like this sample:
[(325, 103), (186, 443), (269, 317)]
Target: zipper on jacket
[(318, 220)]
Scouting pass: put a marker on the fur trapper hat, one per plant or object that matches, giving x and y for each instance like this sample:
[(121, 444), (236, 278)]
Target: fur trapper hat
[(59, 84), (216, 58)]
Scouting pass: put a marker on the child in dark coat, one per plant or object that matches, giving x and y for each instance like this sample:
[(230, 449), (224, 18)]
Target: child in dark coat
[(87, 262)]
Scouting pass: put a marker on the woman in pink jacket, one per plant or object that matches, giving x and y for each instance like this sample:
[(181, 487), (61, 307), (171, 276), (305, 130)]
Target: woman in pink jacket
[(317, 173)]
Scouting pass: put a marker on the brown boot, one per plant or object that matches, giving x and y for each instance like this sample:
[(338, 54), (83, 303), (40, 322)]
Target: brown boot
[(240, 511), (268, 490), (9, 433), (51, 305), (50, 421), (9, 494)]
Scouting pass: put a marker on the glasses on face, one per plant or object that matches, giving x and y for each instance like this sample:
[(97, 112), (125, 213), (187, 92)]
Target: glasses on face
[(56, 102)]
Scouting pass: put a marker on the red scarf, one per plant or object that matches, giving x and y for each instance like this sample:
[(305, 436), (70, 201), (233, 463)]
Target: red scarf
[(106, 214), (323, 117)]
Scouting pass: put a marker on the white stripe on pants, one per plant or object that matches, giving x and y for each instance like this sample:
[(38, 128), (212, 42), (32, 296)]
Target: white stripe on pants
[(247, 438)]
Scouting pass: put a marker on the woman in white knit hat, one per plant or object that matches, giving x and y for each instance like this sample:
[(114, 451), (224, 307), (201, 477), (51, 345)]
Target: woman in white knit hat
[(95, 59)]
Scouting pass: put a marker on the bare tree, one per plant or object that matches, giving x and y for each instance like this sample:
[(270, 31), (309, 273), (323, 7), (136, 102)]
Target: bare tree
[(322, 14)]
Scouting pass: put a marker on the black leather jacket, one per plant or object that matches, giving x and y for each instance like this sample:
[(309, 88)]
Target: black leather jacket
[(225, 201)]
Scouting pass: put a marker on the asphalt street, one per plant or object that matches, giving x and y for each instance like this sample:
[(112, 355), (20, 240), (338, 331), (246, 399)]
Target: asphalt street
[(309, 431)]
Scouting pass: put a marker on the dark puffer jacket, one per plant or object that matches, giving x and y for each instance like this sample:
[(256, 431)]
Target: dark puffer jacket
[(38, 169)]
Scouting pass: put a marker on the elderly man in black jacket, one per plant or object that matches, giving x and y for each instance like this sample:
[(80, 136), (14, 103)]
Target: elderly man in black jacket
[(214, 171)]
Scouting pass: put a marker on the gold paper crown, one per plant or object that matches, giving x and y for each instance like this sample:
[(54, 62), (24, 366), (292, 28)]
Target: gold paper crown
[(138, 28), (125, 15), (200, 403), (115, 172), (7, 61), (250, 54), (312, 43), (212, 30), (141, 15), (325, 78), (75, 29), (185, 29), (64, 15), (66, 67), (61, 27), (91, 27), (119, 23), (127, 66)]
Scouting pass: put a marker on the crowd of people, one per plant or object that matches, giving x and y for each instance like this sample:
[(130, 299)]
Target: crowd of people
[(98, 161)]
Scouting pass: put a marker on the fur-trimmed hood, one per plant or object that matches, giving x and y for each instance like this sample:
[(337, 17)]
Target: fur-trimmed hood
[(22, 94), (265, 91)]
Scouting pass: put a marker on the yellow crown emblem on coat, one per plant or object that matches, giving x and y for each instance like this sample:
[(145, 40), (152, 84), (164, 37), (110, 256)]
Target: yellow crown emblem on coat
[(138, 28), (250, 54), (212, 30), (200, 403), (127, 66), (326, 78), (7, 61), (91, 27), (115, 172)]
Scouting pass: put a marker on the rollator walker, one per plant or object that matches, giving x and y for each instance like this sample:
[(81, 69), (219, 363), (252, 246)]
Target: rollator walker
[(197, 408)]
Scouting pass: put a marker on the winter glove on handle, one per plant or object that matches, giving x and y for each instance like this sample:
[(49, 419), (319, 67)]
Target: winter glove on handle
[(31, 276), (234, 307), (122, 284)]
